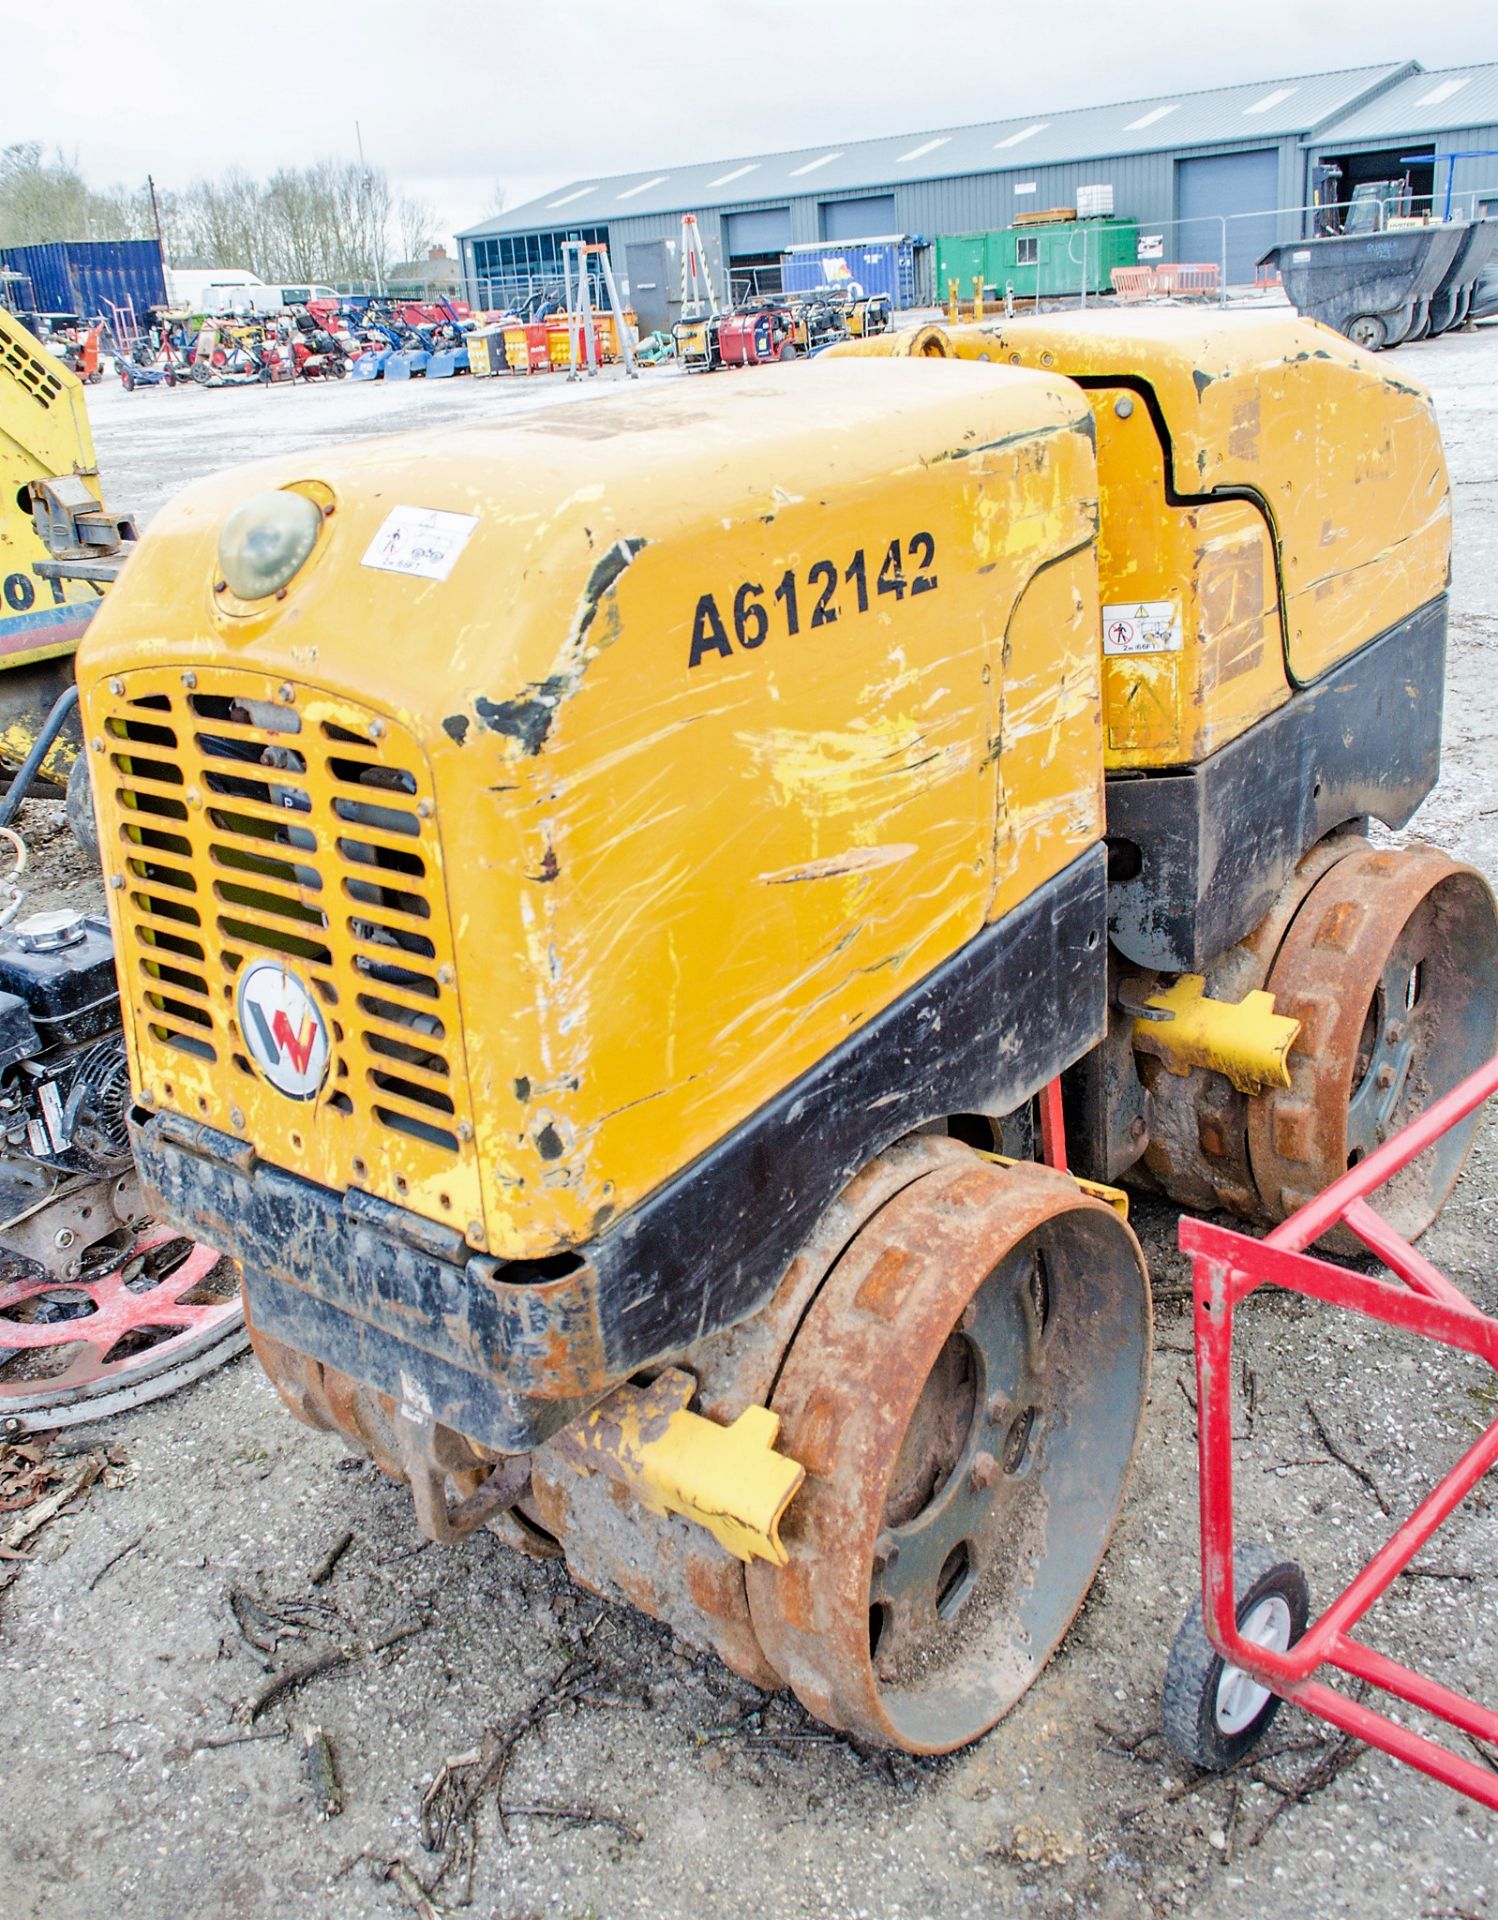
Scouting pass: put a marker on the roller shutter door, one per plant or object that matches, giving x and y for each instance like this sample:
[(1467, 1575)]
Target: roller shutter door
[(758, 235), (863, 219), (1227, 184)]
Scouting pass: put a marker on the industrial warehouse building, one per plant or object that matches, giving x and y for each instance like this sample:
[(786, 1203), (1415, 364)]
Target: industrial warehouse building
[(1217, 176)]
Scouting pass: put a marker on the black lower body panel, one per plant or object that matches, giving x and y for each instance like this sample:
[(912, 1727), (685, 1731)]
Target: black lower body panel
[(1199, 853), (507, 1354)]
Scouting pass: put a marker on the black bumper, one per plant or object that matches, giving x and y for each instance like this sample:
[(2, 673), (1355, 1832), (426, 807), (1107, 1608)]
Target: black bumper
[(507, 1353)]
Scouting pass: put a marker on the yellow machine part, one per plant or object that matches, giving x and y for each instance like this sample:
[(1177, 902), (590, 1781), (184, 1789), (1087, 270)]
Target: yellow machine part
[(1244, 1040), (1337, 485), (672, 829), (728, 1479), (44, 432)]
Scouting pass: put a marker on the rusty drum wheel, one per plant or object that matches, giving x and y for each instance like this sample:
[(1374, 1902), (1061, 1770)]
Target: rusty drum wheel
[(965, 1393), (1198, 1150), (1391, 966)]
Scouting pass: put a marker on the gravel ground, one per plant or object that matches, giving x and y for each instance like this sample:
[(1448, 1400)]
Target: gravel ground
[(124, 1665)]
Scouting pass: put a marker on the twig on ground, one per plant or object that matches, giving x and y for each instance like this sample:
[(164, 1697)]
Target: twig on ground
[(1128, 1743), (580, 1816), (113, 1561), (1486, 1754), (417, 1897), (210, 1743), (289, 1679), (1354, 1467), (322, 1573), (450, 1804), (1341, 1754)]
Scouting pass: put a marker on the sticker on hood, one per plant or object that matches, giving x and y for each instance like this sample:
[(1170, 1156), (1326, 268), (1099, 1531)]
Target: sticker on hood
[(419, 540)]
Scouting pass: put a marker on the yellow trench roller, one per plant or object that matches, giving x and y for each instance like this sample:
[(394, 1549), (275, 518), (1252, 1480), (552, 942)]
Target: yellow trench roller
[(598, 896), (44, 435)]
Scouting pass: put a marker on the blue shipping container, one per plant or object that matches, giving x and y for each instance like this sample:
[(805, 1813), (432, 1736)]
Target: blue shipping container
[(87, 276), (879, 266)]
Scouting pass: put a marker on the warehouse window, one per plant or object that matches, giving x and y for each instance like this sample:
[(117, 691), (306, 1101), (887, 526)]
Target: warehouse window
[(1026, 250), (510, 266)]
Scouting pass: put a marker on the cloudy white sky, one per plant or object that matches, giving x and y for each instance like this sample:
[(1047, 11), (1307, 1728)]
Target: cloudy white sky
[(457, 98)]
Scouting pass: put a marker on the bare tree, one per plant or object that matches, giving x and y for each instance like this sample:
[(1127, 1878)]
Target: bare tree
[(416, 224), (42, 199), (334, 221)]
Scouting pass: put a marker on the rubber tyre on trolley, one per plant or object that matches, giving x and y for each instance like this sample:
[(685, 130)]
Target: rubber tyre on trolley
[(1213, 1713)]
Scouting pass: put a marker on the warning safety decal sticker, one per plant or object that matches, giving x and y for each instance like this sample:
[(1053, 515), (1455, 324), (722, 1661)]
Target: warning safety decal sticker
[(1142, 626)]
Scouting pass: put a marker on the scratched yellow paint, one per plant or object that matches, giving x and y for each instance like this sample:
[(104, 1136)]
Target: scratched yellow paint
[(44, 432), (667, 889), (1351, 502)]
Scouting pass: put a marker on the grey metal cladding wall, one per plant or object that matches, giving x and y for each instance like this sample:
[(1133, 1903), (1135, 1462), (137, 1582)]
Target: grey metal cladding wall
[(1144, 189), (1472, 176)]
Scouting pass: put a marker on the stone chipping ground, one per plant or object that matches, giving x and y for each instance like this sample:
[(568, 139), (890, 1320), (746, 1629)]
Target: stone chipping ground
[(132, 1782)]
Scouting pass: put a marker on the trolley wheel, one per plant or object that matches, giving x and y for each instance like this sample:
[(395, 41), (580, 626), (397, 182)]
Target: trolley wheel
[(965, 1392), (1368, 332), (787, 351), (1212, 1712), (127, 380)]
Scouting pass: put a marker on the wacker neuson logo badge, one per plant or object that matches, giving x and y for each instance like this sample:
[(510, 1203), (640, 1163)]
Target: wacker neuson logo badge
[(283, 1029)]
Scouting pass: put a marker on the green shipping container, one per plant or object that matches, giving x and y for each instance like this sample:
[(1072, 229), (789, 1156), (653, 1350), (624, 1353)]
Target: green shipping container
[(962, 257), (1046, 262)]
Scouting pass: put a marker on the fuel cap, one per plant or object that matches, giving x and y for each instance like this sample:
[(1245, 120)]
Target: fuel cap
[(50, 932)]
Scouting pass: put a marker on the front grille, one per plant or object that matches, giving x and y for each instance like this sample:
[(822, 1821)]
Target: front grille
[(259, 821)]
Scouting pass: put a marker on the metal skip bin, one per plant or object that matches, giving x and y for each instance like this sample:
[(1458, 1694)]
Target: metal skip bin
[(1369, 286), (1452, 300)]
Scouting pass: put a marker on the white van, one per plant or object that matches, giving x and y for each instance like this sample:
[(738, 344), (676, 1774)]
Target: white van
[(190, 289), (263, 299)]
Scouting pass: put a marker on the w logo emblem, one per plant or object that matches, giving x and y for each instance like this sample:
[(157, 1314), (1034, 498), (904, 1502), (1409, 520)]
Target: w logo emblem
[(284, 1029)]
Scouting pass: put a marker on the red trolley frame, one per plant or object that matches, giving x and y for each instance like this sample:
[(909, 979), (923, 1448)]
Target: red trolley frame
[(1226, 1268)]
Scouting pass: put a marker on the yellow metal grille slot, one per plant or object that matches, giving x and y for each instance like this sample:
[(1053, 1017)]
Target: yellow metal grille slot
[(256, 821)]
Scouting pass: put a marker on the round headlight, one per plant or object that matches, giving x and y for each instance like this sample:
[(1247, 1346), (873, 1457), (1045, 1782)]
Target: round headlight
[(265, 540)]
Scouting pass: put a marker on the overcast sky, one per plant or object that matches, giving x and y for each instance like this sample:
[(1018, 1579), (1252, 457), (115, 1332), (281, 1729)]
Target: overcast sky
[(457, 99)]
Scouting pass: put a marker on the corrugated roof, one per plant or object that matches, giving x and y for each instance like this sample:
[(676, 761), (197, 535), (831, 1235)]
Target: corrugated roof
[(1424, 103), (1263, 110)]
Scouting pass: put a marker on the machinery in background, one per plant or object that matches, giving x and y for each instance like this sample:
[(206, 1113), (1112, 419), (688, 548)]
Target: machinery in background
[(97, 1309), (582, 260), (612, 1045), (696, 333), (59, 544), (1378, 272)]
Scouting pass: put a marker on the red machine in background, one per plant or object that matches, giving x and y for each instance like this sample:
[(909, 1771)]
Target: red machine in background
[(752, 336)]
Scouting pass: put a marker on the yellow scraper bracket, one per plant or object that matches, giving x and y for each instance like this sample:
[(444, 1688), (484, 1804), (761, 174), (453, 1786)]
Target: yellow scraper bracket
[(1114, 1197), (727, 1479), (1246, 1041)]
